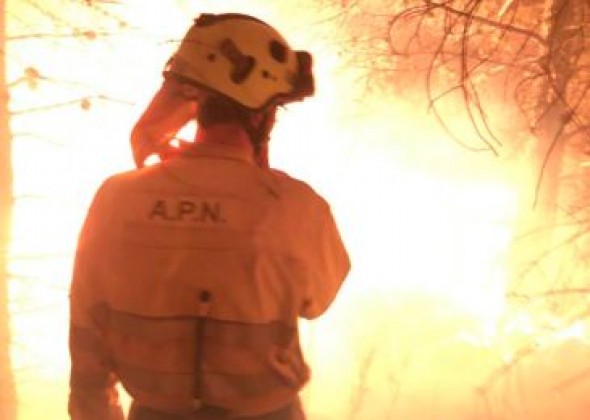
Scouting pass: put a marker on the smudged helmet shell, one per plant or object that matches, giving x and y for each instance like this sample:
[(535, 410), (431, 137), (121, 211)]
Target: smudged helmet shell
[(244, 59)]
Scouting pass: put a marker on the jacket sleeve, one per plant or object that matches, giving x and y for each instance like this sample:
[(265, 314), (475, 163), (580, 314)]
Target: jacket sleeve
[(93, 393), (329, 267), (167, 112)]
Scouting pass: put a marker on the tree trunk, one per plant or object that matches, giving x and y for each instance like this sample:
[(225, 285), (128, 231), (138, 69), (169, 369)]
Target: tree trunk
[(538, 237), (565, 45), (7, 386)]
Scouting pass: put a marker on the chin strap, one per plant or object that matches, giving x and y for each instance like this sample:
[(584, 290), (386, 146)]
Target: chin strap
[(259, 136)]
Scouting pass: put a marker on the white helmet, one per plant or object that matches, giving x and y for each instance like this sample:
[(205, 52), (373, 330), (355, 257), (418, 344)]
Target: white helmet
[(244, 59)]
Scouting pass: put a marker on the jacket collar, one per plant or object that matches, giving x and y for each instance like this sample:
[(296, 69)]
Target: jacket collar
[(221, 151), (218, 151)]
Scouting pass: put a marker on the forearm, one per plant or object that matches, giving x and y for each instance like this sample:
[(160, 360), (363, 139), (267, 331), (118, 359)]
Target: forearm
[(93, 404), (93, 392)]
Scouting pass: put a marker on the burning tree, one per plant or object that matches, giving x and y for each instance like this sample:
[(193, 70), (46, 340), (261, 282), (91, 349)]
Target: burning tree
[(517, 70), (7, 392), (24, 25)]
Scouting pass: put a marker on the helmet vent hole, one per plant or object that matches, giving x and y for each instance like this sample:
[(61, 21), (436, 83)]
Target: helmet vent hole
[(278, 51), (266, 75), (242, 64)]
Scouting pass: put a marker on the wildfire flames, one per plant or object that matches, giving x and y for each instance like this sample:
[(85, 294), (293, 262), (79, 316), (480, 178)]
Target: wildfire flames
[(422, 328)]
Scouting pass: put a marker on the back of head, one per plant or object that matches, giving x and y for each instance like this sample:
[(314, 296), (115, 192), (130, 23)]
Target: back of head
[(217, 109), (244, 69)]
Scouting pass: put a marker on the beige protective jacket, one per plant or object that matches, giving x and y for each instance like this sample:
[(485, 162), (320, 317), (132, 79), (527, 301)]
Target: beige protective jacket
[(188, 282)]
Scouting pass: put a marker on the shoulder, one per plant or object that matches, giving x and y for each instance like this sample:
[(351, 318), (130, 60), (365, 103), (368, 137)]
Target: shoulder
[(291, 184), (129, 179), (297, 189)]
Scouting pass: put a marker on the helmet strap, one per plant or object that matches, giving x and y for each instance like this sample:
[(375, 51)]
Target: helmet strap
[(259, 134)]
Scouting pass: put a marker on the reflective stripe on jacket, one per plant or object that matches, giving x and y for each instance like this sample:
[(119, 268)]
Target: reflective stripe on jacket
[(264, 249)]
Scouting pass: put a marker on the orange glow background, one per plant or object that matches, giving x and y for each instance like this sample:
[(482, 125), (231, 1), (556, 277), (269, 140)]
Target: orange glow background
[(421, 324)]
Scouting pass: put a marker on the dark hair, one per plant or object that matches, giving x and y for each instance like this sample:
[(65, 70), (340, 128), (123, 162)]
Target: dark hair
[(217, 109)]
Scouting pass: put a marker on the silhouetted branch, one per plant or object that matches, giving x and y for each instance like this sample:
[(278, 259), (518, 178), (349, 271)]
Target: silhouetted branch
[(84, 102), (470, 16)]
